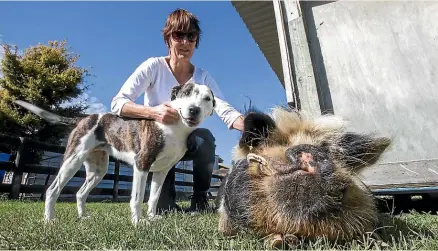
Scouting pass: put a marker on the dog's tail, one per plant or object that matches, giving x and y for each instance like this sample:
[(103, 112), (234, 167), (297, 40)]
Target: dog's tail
[(48, 116)]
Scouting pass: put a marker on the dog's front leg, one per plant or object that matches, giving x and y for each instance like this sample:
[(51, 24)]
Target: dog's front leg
[(137, 193), (156, 185)]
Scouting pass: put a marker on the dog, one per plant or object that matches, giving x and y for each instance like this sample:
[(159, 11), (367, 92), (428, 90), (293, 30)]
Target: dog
[(294, 177), (147, 145)]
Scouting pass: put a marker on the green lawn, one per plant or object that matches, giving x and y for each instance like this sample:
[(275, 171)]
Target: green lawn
[(109, 227)]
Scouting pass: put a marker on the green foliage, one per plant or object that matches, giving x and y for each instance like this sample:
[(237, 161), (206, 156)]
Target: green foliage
[(45, 75)]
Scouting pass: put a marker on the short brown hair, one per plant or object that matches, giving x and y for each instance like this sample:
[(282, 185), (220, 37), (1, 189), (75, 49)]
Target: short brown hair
[(181, 20)]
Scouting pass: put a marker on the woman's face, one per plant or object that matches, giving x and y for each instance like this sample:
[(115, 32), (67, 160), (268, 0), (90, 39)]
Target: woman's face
[(183, 44)]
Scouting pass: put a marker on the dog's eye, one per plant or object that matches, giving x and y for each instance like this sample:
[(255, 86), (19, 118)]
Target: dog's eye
[(207, 98)]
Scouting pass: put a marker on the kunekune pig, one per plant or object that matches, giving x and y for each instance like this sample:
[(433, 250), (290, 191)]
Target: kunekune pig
[(295, 177)]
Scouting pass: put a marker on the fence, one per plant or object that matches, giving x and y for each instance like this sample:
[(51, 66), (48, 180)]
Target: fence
[(19, 171)]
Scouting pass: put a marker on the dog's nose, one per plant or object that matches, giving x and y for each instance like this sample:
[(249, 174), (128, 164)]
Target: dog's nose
[(194, 111), (310, 158)]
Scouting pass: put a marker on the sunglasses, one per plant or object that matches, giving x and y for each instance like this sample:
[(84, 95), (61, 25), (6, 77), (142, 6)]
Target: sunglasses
[(180, 36)]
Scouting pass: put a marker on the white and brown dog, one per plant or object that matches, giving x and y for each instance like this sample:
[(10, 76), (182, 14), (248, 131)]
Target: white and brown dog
[(147, 145)]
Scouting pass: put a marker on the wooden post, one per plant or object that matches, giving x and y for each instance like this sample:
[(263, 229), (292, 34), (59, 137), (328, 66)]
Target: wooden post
[(18, 170), (300, 83), (286, 56), (116, 180)]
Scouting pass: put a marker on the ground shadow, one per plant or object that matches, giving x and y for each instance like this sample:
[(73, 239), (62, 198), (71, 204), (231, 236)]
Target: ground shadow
[(402, 203)]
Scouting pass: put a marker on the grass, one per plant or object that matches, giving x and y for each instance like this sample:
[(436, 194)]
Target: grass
[(109, 227)]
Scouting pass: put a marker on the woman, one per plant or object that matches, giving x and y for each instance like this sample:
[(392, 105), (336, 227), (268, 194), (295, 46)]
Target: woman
[(155, 77)]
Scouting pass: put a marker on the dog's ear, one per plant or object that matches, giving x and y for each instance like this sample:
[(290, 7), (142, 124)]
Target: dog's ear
[(257, 127), (174, 92), (214, 100), (214, 103)]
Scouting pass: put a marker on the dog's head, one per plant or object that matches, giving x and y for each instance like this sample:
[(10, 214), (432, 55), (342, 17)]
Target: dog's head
[(194, 102), (302, 171)]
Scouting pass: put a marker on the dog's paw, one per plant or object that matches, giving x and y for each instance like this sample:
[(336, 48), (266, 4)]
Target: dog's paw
[(49, 221), (84, 217), (155, 217), (143, 222), (138, 222)]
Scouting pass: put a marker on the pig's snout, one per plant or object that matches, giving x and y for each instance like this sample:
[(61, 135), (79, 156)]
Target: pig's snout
[(310, 158)]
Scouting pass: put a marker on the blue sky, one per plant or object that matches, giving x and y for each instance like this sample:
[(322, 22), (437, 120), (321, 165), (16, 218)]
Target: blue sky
[(113, 38)]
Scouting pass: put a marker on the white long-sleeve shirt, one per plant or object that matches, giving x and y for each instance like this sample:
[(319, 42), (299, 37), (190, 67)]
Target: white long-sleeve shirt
[(154, 78)]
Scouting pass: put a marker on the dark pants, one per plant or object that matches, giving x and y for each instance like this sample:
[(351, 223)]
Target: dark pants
[(201, 150)]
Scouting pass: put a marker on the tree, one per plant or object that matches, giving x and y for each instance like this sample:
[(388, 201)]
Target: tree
[(47, 76)]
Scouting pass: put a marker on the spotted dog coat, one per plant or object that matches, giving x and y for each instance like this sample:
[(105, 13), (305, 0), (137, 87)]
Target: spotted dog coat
[(294, 177), (147, 145)]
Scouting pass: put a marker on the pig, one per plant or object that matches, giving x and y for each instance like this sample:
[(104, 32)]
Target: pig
[(295, 177)]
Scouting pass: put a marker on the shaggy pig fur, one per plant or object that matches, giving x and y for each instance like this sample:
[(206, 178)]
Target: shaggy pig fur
[(294, 177)]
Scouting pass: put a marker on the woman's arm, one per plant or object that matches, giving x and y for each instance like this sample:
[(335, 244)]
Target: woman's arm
[(123, 104), (228, 114)]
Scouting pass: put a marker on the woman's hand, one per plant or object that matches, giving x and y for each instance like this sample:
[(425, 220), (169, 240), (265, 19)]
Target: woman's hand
[(165, 114), (238, 124)]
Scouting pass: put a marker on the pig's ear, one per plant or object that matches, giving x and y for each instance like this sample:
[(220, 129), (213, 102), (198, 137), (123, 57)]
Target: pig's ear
[(361, 150), (257, 126)]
